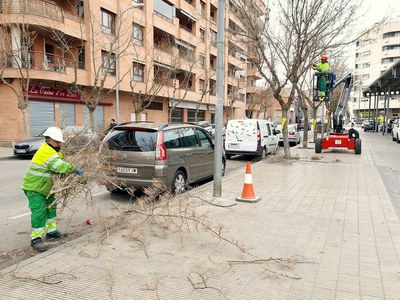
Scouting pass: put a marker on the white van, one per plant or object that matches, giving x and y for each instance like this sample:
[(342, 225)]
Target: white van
[(250, 137)]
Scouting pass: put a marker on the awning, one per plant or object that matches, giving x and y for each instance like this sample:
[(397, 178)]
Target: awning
[(390, 80), (160, 64), (184, 44), (188, 15), (138, 61)]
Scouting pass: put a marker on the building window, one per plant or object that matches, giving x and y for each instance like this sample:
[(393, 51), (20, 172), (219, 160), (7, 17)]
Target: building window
[(202, 35), (108, 63), (390, 60), (391, 47), (202, 8), (202, 61), (138, 72), (107, 21), (81, 57), (80, 9), (363, 66), (137, 34), (177, 115), (49, 50), (201, 85), (391, 34), (213, 37), (191, 115)]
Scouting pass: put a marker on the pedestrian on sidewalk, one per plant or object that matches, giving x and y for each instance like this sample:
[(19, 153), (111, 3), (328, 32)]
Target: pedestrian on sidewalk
[(37, 184)]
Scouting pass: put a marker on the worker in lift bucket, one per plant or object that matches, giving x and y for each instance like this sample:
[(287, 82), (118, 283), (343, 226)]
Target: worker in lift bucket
[(322, 69)]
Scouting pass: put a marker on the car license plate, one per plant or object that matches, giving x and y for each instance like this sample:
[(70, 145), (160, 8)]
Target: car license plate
[(338, 142), (233, 146), (127, 170), (20, 151)]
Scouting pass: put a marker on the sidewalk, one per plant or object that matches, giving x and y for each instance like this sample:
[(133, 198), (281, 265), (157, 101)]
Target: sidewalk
[(325, 228)]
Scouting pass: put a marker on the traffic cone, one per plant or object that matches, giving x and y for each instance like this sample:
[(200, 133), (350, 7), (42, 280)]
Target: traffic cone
[(248, 191)]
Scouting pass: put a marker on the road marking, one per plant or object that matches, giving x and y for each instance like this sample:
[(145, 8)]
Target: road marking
[(20, 216)]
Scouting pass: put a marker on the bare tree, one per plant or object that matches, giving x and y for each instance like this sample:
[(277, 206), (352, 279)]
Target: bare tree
[(259, 102), (301, 31), (107, 46), (16, 62)]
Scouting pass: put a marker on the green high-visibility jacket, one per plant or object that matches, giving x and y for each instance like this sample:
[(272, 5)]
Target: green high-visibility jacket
[(322, 67), (45, 164)]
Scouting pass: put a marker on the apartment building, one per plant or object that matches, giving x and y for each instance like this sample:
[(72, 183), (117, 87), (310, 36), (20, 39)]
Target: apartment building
[(374, 54), (129, 60)]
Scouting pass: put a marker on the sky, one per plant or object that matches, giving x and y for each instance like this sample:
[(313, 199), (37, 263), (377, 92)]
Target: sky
[(375, 10)]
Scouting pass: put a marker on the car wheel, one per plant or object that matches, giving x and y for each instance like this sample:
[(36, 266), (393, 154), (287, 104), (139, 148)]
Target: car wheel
[(179, 183), (397, 139), (228, 156), (298, 143), (393, 138), (318, 145), (357, 147)]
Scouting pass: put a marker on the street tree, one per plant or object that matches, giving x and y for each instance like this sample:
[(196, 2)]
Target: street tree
[(285, 44), (16, 44), (259, 103), (113, 43)]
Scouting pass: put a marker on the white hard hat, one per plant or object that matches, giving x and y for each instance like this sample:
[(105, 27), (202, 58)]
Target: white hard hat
[(54, 133)]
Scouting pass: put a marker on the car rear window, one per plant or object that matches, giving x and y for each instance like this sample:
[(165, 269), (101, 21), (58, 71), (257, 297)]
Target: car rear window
[(132, 140)]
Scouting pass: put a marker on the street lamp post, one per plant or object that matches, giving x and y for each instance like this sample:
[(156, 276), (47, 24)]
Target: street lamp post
[(134, 5)]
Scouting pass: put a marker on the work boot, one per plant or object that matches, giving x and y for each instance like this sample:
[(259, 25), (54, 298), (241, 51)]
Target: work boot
[(56, 235), (38, 245)]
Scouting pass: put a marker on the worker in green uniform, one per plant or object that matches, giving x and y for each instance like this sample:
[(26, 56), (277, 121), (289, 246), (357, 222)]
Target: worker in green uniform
[(37, 184), (323, 69)]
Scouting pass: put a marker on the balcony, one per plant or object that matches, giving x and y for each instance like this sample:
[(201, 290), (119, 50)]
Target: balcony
[(38, 61), (42, 9)]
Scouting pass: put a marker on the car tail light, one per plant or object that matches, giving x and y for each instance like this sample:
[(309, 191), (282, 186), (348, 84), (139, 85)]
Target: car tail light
[(258, 135), (161, 151), (291, 133)]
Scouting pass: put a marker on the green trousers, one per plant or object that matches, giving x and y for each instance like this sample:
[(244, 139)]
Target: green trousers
[(322, 85), (43, 214)]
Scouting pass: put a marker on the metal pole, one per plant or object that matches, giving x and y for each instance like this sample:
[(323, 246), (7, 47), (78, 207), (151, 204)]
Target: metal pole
[(219, 105), (359, 103), (369, 107), (117, 76), (245, 90)]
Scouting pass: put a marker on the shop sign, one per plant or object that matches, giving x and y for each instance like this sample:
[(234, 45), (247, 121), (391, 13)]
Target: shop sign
[(51, 93)]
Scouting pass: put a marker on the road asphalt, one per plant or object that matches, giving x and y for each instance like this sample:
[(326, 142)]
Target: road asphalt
[(325, 228)]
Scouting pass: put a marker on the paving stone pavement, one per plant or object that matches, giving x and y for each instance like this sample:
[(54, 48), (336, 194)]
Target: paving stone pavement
[(325, 228)]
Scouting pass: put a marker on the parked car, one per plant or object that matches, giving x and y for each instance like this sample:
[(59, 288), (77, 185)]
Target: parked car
[(205, 124), (293, 135), (174, 154), (250, 137), (368, 125), (396, 131), (389, 126), (75, 136), (28, 147)]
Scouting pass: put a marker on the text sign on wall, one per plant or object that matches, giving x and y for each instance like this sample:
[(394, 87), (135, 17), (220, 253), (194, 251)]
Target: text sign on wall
[(47, 92)]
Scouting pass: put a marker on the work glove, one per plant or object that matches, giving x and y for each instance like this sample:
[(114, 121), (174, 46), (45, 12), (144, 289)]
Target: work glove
[(79, 171)]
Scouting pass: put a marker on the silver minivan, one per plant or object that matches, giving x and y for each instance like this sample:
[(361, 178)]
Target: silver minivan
[(174, 154)]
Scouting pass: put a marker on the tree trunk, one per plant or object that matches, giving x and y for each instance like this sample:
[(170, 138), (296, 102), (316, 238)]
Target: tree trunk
[(286, 146), (25, 125), (91, 120), (306, 127)]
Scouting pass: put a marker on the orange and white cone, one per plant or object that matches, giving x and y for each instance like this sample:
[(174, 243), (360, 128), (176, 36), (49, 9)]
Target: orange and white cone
[(248, 191)]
